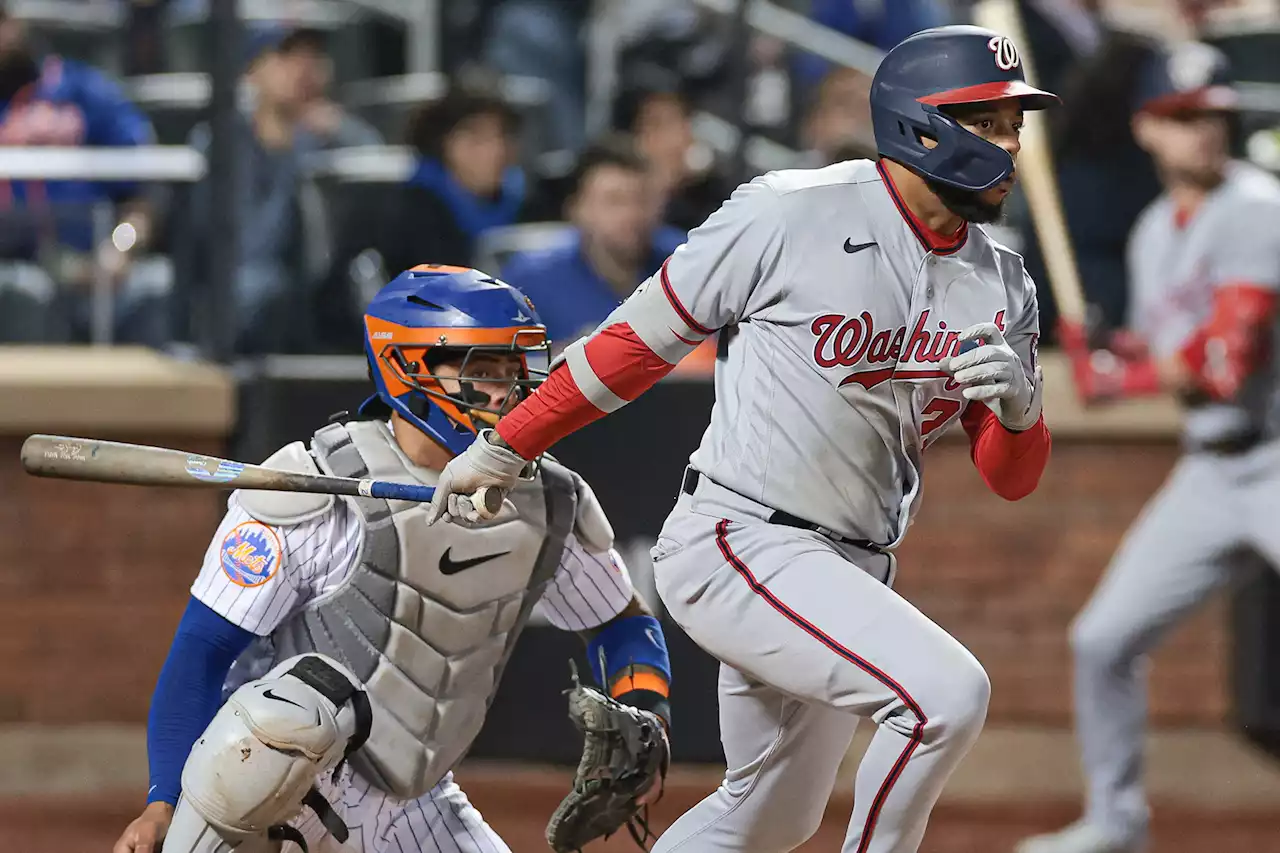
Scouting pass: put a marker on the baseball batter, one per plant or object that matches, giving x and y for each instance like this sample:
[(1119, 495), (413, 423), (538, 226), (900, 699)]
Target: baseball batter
[(852, 297), (1204, 268), (384, 639)]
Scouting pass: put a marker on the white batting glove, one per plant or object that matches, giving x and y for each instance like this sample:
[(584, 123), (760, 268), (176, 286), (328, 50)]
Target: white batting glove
[(993, 374), (482, 466)]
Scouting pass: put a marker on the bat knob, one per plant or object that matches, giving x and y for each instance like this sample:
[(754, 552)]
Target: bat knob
[(488, 501)]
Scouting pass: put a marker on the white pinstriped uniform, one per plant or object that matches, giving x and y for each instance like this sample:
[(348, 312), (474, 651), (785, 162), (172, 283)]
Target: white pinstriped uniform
[(316, 557)]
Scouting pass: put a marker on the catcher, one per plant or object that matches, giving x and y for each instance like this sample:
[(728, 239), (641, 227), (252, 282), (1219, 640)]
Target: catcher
[(360, 650)]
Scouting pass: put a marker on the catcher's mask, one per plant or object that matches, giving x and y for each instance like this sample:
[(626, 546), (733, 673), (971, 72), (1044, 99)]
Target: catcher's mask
[(433, 315)]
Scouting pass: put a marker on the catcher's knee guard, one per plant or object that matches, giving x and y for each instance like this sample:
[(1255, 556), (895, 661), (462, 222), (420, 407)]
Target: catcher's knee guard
[(255, 766)]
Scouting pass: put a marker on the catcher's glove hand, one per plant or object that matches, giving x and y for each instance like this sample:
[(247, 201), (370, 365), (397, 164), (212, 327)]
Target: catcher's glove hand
[(625, 754)]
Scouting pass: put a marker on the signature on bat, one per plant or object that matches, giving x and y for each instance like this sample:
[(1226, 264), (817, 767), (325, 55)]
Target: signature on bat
[(67, 451)]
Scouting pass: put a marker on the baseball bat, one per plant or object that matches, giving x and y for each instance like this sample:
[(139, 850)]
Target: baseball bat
[(69, 458), (1035, 170)]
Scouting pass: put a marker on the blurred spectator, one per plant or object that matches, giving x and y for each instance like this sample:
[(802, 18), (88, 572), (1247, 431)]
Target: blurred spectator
[(544, 39), (1105, 179), (274, 142), (465, 181), (321, 115), (838, 124), (49, 100), (617, 243), (665, 44), (882, 23), (1060, 35), (682, 172), (770, 101), (463, 184), (144, 37)]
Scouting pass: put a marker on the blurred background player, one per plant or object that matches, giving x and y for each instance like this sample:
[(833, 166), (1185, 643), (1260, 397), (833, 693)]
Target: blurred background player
[(423, 619), (1204, 268), (617, 242)]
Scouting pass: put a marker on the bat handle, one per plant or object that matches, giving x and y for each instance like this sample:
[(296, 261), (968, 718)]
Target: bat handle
[(488, 500), (398, 491)]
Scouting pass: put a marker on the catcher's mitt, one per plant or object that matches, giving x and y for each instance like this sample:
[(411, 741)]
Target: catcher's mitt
[(625, 754)]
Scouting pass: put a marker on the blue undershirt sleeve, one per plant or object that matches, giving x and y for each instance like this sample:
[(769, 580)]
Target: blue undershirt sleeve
[(188, 693)]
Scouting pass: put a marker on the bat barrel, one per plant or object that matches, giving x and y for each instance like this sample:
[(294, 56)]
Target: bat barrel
[(71, 458), (79, 458)]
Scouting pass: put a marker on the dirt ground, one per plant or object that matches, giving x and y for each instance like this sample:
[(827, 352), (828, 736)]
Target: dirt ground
[(517, 802)]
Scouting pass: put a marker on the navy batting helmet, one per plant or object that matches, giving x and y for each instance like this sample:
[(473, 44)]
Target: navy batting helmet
[(943, 67)]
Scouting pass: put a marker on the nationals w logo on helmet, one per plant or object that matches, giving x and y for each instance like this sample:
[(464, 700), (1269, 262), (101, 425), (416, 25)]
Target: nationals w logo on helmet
[(1006, 53)]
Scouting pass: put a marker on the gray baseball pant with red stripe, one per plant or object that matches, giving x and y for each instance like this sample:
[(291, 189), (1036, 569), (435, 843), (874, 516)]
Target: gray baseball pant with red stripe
[(811, 638)]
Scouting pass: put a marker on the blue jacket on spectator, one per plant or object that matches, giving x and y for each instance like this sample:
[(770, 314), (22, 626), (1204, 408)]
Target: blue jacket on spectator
[(882, 23), (71, 104), (570, 296)]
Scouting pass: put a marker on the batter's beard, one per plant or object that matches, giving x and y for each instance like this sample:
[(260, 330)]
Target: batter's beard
[(967, 205)]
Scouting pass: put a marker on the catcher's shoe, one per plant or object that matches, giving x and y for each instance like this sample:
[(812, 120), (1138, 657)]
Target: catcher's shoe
[(1079, 837)]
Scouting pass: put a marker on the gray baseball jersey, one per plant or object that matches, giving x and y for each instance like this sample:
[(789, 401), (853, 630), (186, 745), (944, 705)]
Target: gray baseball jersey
[(842, 309), (1175, 267)]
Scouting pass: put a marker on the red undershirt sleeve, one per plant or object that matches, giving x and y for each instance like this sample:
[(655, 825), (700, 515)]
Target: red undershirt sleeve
[(1010, 463), (620, 361)]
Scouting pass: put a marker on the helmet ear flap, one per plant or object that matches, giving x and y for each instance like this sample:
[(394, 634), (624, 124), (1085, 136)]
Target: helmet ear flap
[(959, 158)]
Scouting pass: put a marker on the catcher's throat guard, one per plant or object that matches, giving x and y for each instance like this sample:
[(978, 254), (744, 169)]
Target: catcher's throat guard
[(625, 754)]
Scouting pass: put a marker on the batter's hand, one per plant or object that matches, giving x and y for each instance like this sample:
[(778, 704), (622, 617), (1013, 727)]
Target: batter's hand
[(147, 831), (993, 374), (483, 465)]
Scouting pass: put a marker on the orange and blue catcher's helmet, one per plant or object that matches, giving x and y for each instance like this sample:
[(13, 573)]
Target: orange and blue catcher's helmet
[(431, 314)]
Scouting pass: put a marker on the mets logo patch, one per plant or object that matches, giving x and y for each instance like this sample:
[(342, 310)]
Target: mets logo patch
[(250, 554)]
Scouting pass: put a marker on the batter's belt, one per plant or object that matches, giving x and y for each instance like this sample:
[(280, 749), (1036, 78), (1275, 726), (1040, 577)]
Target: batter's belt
[(777, 516), (1231, 445)]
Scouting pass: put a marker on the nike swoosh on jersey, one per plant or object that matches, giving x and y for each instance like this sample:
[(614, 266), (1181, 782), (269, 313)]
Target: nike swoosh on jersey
[(452, 567), (851, 247)]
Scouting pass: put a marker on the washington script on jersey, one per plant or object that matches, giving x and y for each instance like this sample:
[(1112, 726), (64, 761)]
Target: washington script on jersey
[(849, 341)]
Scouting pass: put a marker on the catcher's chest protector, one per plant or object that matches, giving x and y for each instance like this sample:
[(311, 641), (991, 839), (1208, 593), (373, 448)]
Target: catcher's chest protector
[(429, 616)]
